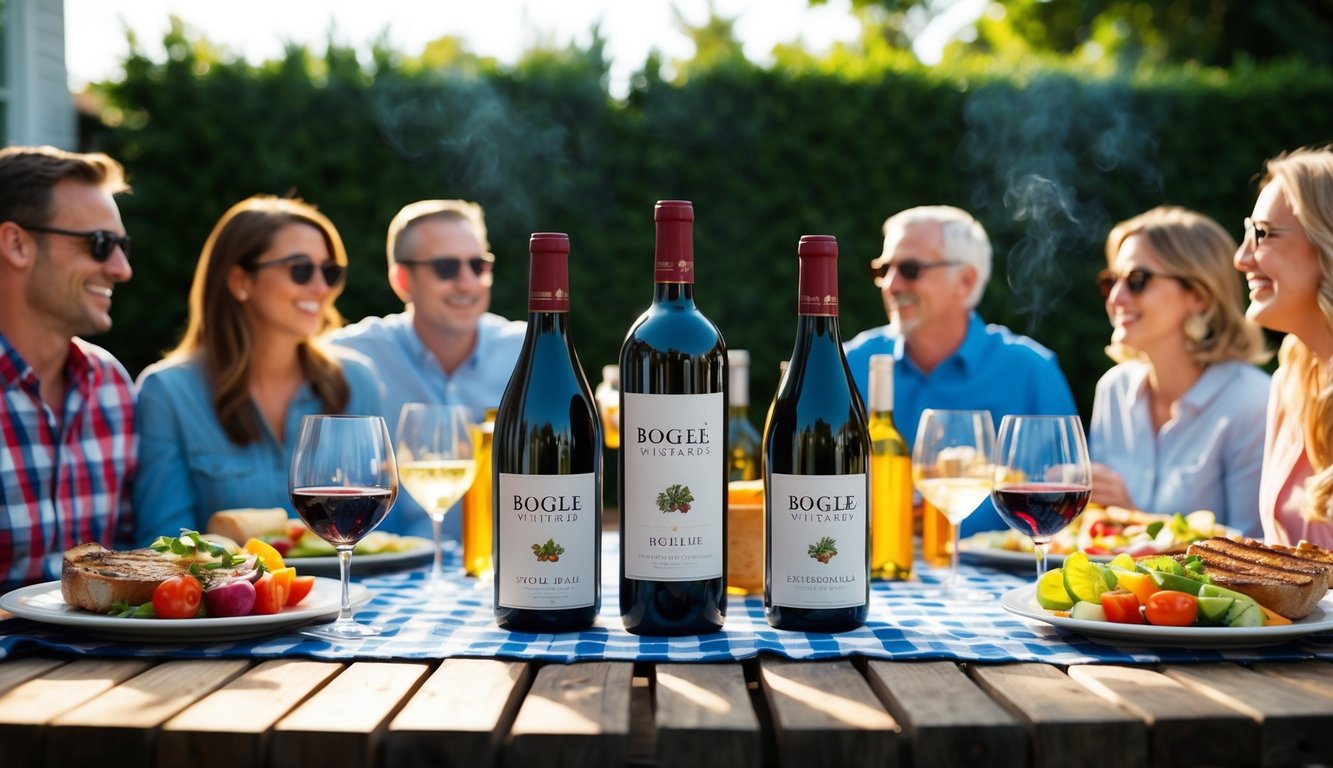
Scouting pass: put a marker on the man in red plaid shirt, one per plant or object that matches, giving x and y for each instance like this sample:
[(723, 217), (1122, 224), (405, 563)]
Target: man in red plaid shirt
[(67, 441)]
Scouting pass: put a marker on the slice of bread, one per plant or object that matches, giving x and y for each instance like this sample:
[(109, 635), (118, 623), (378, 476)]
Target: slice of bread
[(94, 578), (1284, 583), (240, 525)]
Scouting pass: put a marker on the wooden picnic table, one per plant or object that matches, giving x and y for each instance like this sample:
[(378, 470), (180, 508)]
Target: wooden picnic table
[(58, 711)]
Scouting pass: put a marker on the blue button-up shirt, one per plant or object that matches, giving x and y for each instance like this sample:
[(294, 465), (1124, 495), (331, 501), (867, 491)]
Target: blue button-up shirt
[(411, 374), (189, 468), (1209, 456), (994, 369)]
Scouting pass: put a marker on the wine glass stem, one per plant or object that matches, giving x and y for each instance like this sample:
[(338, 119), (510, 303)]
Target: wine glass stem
[(437, 531), (953, 558), (345, 576), (1039, 549)]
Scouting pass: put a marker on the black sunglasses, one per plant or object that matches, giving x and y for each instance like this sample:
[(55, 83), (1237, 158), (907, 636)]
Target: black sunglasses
[(102, 241), (447, 267), (910, 269), (1136, 280), (303, 269)]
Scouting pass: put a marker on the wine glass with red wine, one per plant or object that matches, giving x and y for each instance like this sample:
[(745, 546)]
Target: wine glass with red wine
[(1042, 477), (342, 482)]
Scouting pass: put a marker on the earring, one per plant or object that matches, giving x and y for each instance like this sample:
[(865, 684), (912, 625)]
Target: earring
[(1196, 328), (243, 296)]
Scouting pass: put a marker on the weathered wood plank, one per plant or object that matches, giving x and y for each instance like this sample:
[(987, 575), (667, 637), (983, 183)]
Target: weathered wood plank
[(705, 717), (117, 727), (27, 707), (1314, 676), (946, 718), (574, 715), (1185, 729), (12, 673), (824, 713), (1069, 725), (459, 716), (229, 727), (1296, 727), (343, 723)]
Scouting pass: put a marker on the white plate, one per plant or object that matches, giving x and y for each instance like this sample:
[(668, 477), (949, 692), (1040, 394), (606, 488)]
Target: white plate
[(43, 603), (1023, 602), (975, 552), (361, 564)]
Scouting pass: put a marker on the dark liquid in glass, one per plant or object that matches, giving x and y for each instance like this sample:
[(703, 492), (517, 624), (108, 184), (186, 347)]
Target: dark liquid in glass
[(342, 515), (1040, 510)]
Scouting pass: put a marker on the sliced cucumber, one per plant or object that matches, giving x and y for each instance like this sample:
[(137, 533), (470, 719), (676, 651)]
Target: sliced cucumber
[(1212, 590), (1085, 611), (1213, 610), (1244, 615)]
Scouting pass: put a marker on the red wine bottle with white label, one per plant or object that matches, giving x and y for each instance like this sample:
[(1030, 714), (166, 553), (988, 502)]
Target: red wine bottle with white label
[(816, 468), (673, 453), (547, 467)]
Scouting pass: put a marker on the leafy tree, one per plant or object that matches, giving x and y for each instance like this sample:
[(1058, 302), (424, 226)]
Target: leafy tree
[(1208, 32)]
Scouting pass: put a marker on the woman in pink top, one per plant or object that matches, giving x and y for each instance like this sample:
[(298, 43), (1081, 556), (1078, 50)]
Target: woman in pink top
[(1287, 258)]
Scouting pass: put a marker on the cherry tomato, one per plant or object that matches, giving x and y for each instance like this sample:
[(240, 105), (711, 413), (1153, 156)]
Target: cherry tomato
[(301, 586), (1122, 607), (1170, 608), (178, 597)]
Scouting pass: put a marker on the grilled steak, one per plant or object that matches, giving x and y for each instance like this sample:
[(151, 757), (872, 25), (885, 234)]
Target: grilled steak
[(94, 578), (1285, 582)]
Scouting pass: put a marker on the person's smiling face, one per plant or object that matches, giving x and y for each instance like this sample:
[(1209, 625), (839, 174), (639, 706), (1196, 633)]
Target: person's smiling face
[(450, 306), (1152, 320), (69, 290), (1281, 266), (275, 301)]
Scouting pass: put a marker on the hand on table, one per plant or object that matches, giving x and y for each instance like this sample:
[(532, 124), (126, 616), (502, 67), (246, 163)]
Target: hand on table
[(1108, 488)]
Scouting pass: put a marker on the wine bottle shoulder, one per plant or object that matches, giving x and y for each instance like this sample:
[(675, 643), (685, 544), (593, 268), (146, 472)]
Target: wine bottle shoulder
[(684, 330)]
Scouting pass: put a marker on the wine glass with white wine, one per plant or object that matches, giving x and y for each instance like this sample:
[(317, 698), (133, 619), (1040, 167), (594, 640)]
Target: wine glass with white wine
[(436, 464), (951, 467)]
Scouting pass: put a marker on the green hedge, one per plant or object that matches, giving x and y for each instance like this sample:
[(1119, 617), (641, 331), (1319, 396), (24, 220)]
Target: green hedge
[(1046, 158)]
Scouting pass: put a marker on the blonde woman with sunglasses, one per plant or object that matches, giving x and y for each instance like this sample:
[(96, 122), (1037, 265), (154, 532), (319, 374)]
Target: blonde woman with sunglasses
[(1287, 259), (1177, 423), (219, 416)]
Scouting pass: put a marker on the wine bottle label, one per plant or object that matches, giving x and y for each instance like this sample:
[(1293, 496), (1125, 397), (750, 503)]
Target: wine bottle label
[(674, 486), (817, 527), (549, 542)]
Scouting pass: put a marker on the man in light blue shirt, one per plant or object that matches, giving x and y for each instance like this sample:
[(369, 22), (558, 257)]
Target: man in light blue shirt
[(446, 347), (932, 273)]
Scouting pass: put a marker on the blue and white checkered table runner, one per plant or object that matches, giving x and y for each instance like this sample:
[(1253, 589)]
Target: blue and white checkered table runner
[(904, 623)]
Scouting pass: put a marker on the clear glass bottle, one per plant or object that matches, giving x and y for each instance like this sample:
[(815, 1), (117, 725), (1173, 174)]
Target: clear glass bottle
[(743, 442), (608, 405), (476, 522), (890, 480)]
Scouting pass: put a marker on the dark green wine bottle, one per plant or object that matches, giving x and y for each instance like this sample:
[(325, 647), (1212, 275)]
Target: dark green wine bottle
[(816, 468), (673, 452), (547, 467)]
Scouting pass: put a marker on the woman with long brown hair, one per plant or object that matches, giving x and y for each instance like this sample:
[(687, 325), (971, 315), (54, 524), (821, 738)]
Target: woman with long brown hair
[(219, 416), (1287, 258)]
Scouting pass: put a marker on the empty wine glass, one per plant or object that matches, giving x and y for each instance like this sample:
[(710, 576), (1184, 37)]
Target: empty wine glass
[(1042, 477), (951, 467), (342, 482), (437, 464)]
